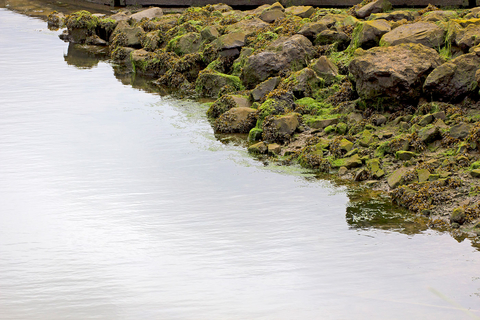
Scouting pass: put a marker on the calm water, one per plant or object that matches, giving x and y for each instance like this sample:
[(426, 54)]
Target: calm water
[(116, 203)]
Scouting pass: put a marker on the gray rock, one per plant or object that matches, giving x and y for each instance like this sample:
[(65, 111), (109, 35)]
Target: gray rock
[(322, 124), (133, 35), (429, 134), (262, 89), (312, 29), (371, 33), (394, 15), (373, 7), (325, 69), (426, 119), (210, 33), (301, 11), (426, 33), (460, 131), (150, 13), (272, 15)]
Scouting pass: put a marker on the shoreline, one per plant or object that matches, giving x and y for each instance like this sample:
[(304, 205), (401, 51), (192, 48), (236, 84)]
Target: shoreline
[(324, 88)]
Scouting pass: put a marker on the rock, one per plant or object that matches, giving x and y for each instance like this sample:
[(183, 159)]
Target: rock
[(429, 134), (373, 7), (455, 79), (345, 145), (475, 173), (404, 155), (150, 13), (306, 83), (131, 35), (353, 162), (151, 41), (55, 20), (272, 15), (248, 26), (439, 115), (274, 149), (222, 7), (331, 37), (426, 119), (460, 131), (342, 171), (458, 216), (230, 41), (301, 11), (258, 148), (95, 41), (209, 33), (312, 29), (262, 89), (439, 15), (255, 135), (355, 117), (209, 83), (120, 16), (325, 69), (371, 32), (423, 175), (361, 175), (185, 44), (426, 33), (380, 120), (321, 124), (374, 166), (235, 120), (284, 53), (341, 128), (397, 178), (468, 37), (286, 125), (366, 138), (397, 71), (394, 15)]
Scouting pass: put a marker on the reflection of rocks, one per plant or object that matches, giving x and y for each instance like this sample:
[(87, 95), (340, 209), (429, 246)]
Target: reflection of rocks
[(85, 56)]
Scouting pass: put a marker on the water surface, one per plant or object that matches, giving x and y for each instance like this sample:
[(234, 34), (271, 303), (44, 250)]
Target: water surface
[(116, 203)]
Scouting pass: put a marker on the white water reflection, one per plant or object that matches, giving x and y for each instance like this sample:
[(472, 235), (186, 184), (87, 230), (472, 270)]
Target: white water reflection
[(118, 204)]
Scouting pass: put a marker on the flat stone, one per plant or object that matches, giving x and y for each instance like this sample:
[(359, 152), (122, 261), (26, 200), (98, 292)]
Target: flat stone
[(321, 124), (231, 41), (345, 145), (258, 148), (423, 175), (150, 13), (396, 178), (439, 115), (301, 11), (405, 155), (475, 173), (366, 138), (274, 149), (426, 119), (460, 131), (262, 89)]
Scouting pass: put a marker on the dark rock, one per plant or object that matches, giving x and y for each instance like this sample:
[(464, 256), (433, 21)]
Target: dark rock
[(394, 16), (312, 29), (258, 148), (429, 134), (185, 44), (236, 120), (322, 124), (371, 32), (380, 120), (439, 115), (325, 69), (272, 15), (262, 89), (460, 131), (306, 83), (373, 7), (404, 155), (331, 37), (397, 178), (458, 216), (397, 71), (132, 35), (247, 26), (210, 33), (426, 119)]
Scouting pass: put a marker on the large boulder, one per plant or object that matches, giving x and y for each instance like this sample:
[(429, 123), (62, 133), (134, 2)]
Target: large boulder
[(130, 36), (185, 44), (439, 15), (305, 83), (468, 37), (210, 82), (280, 128), (284, 53), (262, 89), (455, 79), (371, 32), (373, 7), (150, 13), (397, 72), (236, 120), (332, 36), (234, 40), (426, 33), (270, 15), (301, 11), (248, 26)]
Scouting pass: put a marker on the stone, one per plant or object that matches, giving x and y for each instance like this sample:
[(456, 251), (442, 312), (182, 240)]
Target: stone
[(373, 7), (345, 145), (312, 29), (351, 162), (133, 35), (333, 37), (301, 11), (361, 175), (185, 44), (468, 37), (405, 155), (306, 83), (426, 119), (423, 175), (272, 15), (323, 123), (429, 134), (284, 53), (475, 173), (458, 216), (342, 171), (55, 20), (258, 148), (230, 41), (439, 115), (355, 117), (394, 15), (439, 15), (286, 125), (396, 71), (150, 13), (274, 149), (120, 16), (262, 89), (366, 138), (209, 33), (460, 131), (454, 80), (247, 26), (380, 120), (396, 178), (371, 32), (235, 120), (209, 83), (325, 69), (426, 33)]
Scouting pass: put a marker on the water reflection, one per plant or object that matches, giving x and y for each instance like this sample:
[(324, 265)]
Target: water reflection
[(85, 56)]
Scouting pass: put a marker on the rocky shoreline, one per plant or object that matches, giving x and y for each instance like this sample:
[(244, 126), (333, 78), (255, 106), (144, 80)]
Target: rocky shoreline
[(389, 99)]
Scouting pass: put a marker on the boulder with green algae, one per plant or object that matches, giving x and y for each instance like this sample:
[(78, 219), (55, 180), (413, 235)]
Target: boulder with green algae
[(279, 128), (454, 80), (366, 138), (376, 171), (325, 69), (131, 36), (312, 29), (209, 33), (230, 41), (322, 123), (423, 175), (227, 102), (460, 131), (305, 83), (351, 162), (247, 26), (468, 37), (458, 216), (405, 155), (255, 135), (429, 134), (301, 11), (236, 120), (368, 34), (345, 145), (185, 44), (475, 173), (397, 178), (262, 89), (274, 149), (426, 33), (395, 71), (258, 148), (377, 6), (394, 15), (210, 82)]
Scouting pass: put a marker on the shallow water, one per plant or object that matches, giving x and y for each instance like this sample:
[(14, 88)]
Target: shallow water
[(116, 203)]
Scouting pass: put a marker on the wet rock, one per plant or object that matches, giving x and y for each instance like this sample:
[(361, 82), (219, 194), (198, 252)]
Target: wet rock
[(258, 148), (405, 155), (55, 20), (423, 175), (475, 173), (439, 15), (426, 33), (333, 37), (394, 15), (120, 16), (248, 26), (371, 32), (366, 138), (397, 178), (323, 123), (345, 145), (429, 134), (95, 41), (426, 119), (131, 36), (325, 69), (272, 15), (209, 33), (274, 149), (236, 120), (280, 128), (380, 120), (460, 131), (373, 7), (230, 41), (282, 54), (226, 103), (455, 79), (151, 41), (468, 37), (185, 44), (306, 83), (361, 175), (376, 172), (255, 135), (458, 216), (349, 163), (150, 13), (342, 171), (312, 29), (209, 83), (262, 89), (397, 71), (439, 115), (300, 11)]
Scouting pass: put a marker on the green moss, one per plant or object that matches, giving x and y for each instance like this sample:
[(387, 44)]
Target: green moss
[(312, 107), (81, 20), (255, 134)]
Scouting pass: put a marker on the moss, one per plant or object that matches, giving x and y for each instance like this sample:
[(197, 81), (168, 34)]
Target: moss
[(312, 157), (210, 82), (255, 134)]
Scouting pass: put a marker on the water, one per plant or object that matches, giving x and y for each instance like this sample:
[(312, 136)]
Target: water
[(116, 203)]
